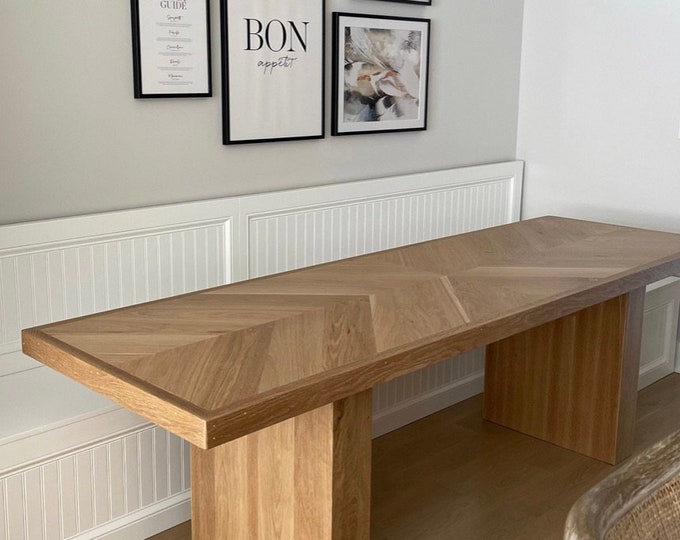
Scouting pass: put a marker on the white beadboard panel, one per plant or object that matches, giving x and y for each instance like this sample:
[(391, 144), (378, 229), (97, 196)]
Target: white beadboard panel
[(306, 227), (79, 493), (42, 284), (72, 463), (659, 331), (14, 507), (48, 283), (108, 226)]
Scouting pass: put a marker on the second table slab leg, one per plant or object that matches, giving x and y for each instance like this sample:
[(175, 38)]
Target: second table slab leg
[(572, 381), (306, 477)]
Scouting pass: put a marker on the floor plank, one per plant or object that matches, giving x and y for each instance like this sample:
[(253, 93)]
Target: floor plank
[(451, 475)]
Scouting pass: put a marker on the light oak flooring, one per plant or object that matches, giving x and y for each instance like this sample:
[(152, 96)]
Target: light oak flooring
[(453, 476)]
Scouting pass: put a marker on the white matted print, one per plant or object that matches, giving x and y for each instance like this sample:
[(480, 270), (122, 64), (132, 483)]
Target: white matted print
[(380, 72), (272, 70), (421, 2), (171, 48)]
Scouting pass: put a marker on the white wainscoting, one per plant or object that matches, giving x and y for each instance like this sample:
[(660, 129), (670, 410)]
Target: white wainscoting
[(660, 331), (84, 270), (84, 490), (73, 464)]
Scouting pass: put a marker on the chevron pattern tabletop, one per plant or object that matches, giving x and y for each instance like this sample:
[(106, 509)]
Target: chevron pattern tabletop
[(219, 363)]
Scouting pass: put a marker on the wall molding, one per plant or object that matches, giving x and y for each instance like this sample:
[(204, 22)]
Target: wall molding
[(147, 522), (660, 331)]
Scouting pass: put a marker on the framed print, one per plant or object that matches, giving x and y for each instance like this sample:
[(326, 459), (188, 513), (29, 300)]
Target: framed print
[(272, 70), (380, 72), (421, 2), (171, 48)]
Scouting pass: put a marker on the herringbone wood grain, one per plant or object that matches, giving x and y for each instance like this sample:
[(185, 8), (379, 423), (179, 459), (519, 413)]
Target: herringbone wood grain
[(214, 365)]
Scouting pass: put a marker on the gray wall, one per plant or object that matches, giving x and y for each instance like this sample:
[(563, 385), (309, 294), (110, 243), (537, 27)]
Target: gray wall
[(75, 141)]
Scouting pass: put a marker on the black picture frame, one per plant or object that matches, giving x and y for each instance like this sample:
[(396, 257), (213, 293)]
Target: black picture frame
[(419, 2), (380, 73), (273, 70), (171, 48)]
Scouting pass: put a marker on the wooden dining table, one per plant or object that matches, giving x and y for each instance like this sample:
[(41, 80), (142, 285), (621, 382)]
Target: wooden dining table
[(270, 379)]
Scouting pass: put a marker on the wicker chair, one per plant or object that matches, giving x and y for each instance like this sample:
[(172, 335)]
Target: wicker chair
[(639, 501)]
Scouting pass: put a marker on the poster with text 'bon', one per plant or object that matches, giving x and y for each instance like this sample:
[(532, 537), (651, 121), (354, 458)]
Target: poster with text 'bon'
[(272, 70)]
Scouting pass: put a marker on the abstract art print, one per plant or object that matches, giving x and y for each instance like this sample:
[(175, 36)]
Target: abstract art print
[(380, 72)]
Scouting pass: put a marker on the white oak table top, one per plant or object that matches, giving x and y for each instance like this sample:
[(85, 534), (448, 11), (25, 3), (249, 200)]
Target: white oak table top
[(217, 364)]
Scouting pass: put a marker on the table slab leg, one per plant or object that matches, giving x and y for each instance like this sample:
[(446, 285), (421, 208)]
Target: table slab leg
[(573, 381), (306, 477)]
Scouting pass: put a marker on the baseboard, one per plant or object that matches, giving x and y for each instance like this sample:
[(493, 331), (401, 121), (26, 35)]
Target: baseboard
[(659, 354), (651, 374), (145, 523), (427, 403)]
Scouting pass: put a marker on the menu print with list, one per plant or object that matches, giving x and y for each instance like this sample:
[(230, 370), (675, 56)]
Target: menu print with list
[(171, 48)]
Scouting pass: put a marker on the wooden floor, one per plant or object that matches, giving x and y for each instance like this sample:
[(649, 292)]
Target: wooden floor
[(453, 476)]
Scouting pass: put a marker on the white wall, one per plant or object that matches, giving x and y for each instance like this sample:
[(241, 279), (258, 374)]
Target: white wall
[(599, 111), (75, 141)]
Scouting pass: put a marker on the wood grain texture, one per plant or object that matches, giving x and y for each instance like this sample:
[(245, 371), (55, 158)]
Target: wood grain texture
[(452, 476), (235, 359), (352, 468), (572, 381), (305, 477)]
